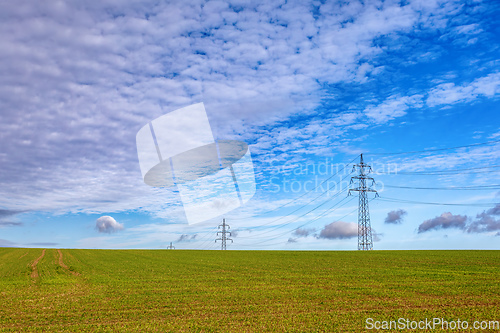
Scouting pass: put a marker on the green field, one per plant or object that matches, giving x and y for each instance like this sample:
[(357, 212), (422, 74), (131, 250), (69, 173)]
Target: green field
[(248, 291)]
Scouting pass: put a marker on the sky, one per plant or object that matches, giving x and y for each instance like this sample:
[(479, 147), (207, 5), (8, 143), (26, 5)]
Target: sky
[(414, 86)]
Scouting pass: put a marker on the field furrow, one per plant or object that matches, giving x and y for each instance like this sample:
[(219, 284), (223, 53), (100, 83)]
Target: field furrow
[(63, 265), (34, 273)]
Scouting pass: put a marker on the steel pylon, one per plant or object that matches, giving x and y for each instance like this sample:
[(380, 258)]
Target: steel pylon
[(224, 231), (365, 238)]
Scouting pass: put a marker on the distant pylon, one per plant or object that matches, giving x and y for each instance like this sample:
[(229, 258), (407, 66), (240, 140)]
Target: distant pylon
[(223, 232), (365, 240), (171, 247)]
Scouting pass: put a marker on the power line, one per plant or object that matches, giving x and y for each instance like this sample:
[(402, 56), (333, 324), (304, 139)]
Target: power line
[(288, 223), (437, 203), (207, 240), (296, 218), (441, 172), (438, 149), (309, 222), (301, 196), (305, 224), (303, 206), (458, 188), (332, 208)]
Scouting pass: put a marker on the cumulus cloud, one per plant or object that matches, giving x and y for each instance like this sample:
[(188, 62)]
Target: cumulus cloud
[(292, 240), (444, 221), (186, 238), (303, 232), (395, 216), (107, 224), (494, 211), (339, 230), (486, 221)]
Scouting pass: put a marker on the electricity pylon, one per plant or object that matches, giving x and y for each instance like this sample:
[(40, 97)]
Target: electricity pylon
[(365, 240), (223, 232), (171, 247)]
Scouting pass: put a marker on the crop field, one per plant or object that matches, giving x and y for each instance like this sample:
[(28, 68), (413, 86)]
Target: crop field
[(241, 291)]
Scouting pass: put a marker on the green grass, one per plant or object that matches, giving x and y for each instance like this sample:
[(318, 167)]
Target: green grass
[(252, 291)]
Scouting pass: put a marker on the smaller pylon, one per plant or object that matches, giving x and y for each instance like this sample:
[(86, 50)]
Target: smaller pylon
[(171, 247), (223, 232)]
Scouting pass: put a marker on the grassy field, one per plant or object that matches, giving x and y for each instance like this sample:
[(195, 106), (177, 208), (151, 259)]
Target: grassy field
[(248, 291)]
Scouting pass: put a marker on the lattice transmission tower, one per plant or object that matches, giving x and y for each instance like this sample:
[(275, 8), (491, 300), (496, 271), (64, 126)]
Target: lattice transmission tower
[(224, 231), (365, 239), (171, 247)]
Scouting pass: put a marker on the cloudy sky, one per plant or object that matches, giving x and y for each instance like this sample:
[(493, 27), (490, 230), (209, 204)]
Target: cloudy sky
[(308, 85)]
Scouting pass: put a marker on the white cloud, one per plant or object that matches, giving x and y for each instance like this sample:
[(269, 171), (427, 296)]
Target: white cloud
[(339, 230), (395, 216), (79, 81), (303, 232), (186, 237), (486, 221), (107, 224), (451, 159), (444, 94), (393, 107), (444, 221), (470, 29), (449, 93)]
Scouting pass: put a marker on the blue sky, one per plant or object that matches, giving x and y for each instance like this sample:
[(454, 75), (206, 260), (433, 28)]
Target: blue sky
[(308, 85)]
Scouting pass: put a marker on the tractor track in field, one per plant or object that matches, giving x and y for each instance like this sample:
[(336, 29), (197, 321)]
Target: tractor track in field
[(63, 265), (34, 270)]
